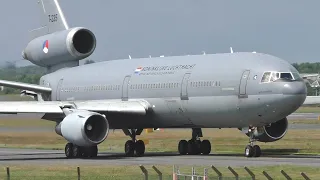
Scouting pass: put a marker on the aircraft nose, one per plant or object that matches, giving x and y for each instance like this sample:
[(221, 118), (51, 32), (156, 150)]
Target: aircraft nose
[(295, 88)]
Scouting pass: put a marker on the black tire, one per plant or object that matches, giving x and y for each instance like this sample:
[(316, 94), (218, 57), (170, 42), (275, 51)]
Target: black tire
[(140, 148), (76, 151), (205, 147), (197, 147), (257, 151), (183, 147), (90, 152), (68, 150), (248, 151), (192, 147), (94, 151), (129, 148)]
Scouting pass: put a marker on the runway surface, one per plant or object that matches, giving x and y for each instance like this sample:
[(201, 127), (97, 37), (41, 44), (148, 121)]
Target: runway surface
[(303, 116), (10, 157)]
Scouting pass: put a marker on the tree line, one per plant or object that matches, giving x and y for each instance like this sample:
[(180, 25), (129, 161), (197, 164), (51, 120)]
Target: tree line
[(32, 74)]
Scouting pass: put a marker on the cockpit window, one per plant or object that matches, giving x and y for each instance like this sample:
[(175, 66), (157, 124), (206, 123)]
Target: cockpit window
[(273, 76), (266, 77), (286, 75), (296, 76)]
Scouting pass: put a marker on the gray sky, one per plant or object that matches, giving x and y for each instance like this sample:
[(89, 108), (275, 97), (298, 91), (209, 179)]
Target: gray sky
[(288, 29)]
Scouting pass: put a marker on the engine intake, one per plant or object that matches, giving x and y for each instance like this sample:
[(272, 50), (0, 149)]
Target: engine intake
[(84, 128), (274, 132), (83, 41), (60, 47)]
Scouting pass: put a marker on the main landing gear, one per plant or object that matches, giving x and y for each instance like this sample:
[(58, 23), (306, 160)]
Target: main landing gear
[(252, 150), (74, 151), (134, 146), (195, 146)]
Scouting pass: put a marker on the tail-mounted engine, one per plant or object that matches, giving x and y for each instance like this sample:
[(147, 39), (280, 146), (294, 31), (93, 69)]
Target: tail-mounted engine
[(273, 132), (84, 128), (60, 47)]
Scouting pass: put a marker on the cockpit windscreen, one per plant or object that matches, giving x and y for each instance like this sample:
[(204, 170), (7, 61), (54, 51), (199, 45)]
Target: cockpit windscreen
[(273, 76)]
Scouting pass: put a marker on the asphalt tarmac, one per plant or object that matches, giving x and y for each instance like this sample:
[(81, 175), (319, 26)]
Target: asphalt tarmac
[(303, 116)]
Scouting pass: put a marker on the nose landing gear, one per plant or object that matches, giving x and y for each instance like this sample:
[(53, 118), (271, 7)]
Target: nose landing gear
[(252, 150)]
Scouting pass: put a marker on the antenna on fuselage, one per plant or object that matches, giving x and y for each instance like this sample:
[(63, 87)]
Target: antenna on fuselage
[(231, 50), (129, 57), (204, 53)]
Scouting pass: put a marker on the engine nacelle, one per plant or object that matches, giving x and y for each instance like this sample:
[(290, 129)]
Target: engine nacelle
[(60, 47), (271, 133), (84, 128)]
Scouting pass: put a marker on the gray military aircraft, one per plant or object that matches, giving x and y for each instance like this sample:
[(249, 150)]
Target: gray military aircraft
[(253, 92)]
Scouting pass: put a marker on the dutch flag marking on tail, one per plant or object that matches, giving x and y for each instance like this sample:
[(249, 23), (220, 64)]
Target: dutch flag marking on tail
[(46, 46)]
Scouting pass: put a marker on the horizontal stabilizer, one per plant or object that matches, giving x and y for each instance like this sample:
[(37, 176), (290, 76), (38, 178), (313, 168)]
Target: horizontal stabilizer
[(25, 86)]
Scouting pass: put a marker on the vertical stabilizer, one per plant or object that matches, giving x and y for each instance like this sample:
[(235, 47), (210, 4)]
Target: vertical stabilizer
[(53, 19)]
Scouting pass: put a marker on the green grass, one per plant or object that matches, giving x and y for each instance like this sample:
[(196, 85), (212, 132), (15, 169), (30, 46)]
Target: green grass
[(14, 97), (11, 122), (307, 109), (61, 172), (304, 121)]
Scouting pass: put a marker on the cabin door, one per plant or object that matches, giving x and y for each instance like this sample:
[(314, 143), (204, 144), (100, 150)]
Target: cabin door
[(125, 88), (59, 89), (184, 87), (243, 84)]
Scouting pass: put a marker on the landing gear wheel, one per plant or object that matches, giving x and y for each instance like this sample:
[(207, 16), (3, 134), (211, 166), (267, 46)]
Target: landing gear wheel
[(76, 151), (197, 147), (205, 147), (68, 150), (140, 148), (94, 151), (90, 152), (129, 148), (257, 151), (249, 151), (183, 147), (192, 147)]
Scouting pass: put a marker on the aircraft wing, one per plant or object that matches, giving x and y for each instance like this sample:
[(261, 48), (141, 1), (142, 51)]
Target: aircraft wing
[(138, 107), (25, 86)]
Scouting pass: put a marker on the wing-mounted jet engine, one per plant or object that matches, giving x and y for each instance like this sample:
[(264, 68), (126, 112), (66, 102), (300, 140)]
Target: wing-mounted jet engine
[(84, 130), (60, 47), (270, 133)]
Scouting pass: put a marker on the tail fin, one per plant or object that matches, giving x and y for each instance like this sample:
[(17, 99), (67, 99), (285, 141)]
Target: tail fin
[(53, 19)]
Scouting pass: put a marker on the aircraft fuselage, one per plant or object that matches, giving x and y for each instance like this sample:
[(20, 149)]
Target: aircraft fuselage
[(209, 91)]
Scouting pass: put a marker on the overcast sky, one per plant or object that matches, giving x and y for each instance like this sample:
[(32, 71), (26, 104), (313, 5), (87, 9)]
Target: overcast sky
[(288, 29)]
